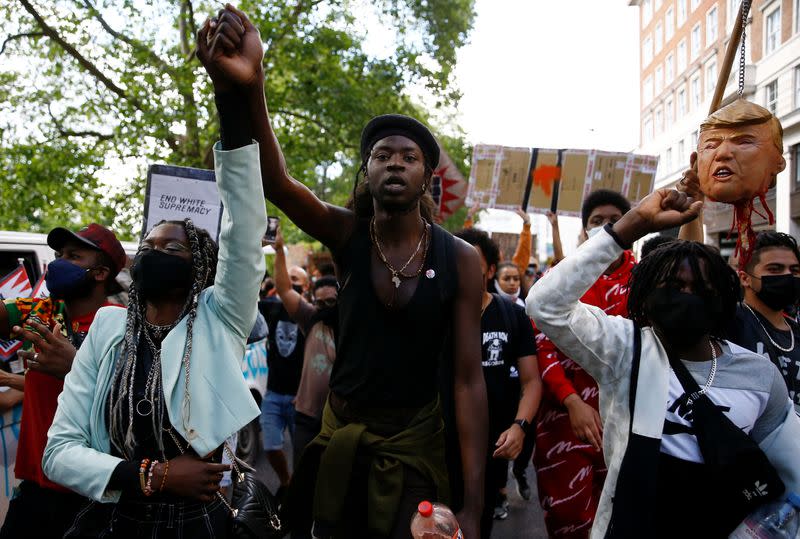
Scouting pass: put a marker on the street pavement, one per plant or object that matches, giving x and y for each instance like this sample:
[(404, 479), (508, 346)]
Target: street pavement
[(525, 520)]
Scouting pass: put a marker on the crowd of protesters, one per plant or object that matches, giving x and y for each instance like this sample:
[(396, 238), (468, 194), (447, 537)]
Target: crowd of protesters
[(417, 366)]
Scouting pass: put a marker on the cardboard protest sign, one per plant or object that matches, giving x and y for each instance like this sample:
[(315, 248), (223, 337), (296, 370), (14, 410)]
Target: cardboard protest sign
[(556, 179), (175, 193)]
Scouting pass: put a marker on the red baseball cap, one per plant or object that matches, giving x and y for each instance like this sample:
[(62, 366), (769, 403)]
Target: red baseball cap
[(94, 236)]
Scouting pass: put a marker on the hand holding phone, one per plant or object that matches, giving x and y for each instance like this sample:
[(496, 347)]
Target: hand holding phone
[(272, 229)]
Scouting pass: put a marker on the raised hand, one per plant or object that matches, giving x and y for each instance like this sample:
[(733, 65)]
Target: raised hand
[(660, 210), (690, 182), (526, 219), (231, 51), (54, 352), (553, 218)]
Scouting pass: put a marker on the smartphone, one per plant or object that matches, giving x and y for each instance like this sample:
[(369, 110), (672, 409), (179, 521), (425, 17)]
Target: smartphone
[(272, 229)]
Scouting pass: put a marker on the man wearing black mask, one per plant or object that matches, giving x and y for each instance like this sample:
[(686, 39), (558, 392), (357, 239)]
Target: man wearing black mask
[(771, 284), (79, 280)]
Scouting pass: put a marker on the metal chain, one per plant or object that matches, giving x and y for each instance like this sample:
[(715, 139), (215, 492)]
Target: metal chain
[(745, 13)]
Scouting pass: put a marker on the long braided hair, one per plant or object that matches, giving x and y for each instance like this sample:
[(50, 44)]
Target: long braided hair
[(204, 268)]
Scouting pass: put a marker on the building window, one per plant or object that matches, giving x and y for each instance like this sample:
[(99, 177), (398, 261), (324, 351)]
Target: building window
[(695, 134), (681, 102), (647, 51), (648, 130), (772, 35), (659, 37), (796, 165), (659, 120), (647, 12), (772, 96), (669, 24), (797, 87), (711, 77), (712, 22), (669, 69), (668, 161), (682, 56), (681, 12), (797, 16), (695, 3), (681, 153), (733, 12), (695, 89), (647, 91), (695, 37), (668, 114), (657, 5), (659, 79)]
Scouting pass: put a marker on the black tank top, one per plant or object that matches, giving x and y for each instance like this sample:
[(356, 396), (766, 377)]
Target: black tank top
[(391, 357)]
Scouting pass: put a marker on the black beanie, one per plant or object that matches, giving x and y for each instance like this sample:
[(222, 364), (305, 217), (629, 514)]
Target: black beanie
[(389, 125)]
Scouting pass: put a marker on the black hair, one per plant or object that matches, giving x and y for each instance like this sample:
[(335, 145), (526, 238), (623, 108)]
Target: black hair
[(504, 265), (603, 197), (770, 239), (490, 250), (111, 285), (325, 280), (327, 269), (718, 280), (361, 199), (652, 243)]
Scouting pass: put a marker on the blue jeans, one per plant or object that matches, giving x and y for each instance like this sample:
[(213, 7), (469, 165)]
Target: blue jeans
[(277, 414)]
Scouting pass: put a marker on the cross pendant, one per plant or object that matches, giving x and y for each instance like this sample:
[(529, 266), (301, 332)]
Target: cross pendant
[(396, 280)]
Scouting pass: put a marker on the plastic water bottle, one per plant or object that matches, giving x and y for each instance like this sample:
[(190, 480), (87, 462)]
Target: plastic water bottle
[(776, 520), (434, 521)]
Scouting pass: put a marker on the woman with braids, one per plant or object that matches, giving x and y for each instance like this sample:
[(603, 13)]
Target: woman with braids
[(155, 392), (682, 297)]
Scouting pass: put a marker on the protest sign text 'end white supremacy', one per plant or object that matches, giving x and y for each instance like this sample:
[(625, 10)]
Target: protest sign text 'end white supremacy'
[(184, 205)]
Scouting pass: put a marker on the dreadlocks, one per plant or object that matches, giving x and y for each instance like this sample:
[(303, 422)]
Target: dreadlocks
[(204, 269), (663, 263), (361, 199)]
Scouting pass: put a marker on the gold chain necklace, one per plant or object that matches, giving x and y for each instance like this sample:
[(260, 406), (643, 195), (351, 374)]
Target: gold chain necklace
[(397, 274)]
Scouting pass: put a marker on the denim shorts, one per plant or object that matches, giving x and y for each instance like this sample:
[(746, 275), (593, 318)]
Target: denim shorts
[(277, 415)]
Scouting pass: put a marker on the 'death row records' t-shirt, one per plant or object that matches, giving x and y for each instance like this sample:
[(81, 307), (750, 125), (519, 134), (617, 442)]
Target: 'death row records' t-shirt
[(504, 339)]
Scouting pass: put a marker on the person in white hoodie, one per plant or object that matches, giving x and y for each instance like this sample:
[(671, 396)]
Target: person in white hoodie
[(682, 295)]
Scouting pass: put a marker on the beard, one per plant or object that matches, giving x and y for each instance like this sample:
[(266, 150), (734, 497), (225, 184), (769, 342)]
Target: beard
[(397, 207)]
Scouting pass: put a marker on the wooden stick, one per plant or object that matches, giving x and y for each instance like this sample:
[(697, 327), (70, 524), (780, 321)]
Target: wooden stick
[(727, 63)]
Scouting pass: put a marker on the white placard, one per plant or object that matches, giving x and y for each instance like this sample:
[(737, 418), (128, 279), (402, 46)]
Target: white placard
[(175, 193)]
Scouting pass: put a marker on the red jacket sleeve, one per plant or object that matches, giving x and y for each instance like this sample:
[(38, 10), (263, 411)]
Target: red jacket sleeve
[(553, 376)]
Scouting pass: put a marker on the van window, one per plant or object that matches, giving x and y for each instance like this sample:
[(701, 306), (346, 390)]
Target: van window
[(9, 260)]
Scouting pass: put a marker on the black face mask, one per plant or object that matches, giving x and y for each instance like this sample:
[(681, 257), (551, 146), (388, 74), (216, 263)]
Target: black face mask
[(298, 288), (681, 319), (779, 291), (158, 275)]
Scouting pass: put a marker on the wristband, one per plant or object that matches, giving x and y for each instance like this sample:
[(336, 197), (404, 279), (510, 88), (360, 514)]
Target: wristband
[(142, 470), (164, 479), (148, 488)]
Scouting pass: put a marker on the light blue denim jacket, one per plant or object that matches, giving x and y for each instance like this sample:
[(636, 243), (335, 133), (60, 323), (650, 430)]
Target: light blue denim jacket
[(78, 448)]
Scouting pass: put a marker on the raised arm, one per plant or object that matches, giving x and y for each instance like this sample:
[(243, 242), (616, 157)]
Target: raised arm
[(470, 389), (523, 252), (283, 284), (597, 342), (238, 67), (558, 249)]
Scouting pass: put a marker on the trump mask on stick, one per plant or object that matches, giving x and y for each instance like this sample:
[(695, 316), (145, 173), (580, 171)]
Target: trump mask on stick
[(739, 156)]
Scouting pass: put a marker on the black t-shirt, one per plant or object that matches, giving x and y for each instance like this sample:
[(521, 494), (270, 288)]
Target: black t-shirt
[(753, 331), (506, 336), (285, 351)]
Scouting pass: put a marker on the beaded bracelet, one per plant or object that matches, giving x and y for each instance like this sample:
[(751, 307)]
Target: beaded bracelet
[(149, 486), (142, 469), (164, 478)]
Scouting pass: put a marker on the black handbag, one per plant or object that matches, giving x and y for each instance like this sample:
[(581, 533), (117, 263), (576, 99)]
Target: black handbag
[(254, 509), (742, 476)]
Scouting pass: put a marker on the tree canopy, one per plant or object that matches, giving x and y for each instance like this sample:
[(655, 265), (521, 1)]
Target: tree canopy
[(89, 85)]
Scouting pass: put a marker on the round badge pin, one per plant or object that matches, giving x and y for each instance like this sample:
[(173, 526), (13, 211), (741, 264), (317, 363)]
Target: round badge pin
[(430, 274)]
